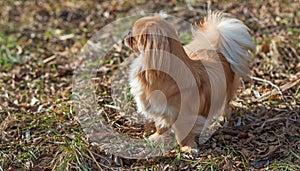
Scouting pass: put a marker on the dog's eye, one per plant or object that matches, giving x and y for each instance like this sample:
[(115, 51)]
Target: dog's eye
[(132, 39)]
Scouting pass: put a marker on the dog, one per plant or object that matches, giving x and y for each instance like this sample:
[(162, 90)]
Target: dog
[(181, 87)]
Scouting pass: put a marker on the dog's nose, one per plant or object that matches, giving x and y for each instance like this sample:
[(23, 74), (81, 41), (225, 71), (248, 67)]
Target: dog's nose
[(126, 36), (129, 32)]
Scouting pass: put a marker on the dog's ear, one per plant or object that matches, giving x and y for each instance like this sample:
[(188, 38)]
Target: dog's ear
[(153, 37), (155, 47)]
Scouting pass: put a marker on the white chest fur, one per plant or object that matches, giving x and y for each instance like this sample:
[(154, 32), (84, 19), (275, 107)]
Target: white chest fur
[(153, 107)]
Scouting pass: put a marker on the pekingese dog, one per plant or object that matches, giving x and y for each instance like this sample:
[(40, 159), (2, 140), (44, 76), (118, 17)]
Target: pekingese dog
[(183, 87)]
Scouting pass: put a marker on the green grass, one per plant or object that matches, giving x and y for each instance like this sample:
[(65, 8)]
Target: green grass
[(185, 37), (71, 155), (56, 129), (286, 163), (8, 49)]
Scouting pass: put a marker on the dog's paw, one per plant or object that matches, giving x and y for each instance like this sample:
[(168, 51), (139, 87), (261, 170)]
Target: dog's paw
[(191, 150), (161, 140), (156, 138)]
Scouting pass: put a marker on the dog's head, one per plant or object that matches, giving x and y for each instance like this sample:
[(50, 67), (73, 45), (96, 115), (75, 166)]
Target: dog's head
[(156, 40), (150, 33)]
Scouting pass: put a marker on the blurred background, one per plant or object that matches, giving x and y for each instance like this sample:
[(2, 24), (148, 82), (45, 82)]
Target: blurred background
[(40, 42)]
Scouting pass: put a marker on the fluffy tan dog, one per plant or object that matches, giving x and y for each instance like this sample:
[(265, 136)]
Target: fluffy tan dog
[(184, 87)]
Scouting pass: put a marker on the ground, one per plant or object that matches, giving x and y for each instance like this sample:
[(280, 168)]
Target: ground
[(40, 43)]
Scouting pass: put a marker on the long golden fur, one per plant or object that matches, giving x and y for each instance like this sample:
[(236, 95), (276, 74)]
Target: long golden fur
[(178, 87)]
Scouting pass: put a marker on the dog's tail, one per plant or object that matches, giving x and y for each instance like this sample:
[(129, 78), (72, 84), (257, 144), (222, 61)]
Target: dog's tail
[(227, 35)]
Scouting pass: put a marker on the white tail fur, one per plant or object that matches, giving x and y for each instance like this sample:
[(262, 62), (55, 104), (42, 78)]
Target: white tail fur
[(227, 35)]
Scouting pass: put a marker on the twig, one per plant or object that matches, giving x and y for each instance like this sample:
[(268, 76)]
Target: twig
[(47, 60), (279, 89), (268, 82), (96, 162), (112, 107)]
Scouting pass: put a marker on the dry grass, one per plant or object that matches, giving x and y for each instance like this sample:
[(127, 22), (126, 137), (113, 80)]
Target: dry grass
[(39, 44)]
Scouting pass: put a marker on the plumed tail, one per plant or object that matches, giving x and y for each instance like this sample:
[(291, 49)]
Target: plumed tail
[(228, 35)]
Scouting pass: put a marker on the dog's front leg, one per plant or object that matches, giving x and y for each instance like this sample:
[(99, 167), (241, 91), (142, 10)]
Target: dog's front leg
[(158, 136)]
